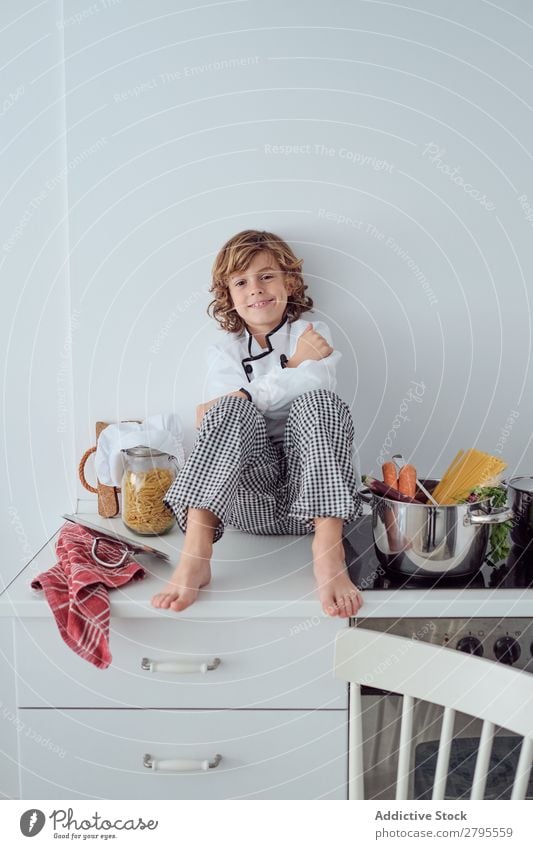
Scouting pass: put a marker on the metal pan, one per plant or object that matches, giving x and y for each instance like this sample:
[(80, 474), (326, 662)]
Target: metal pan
[(420, 540)]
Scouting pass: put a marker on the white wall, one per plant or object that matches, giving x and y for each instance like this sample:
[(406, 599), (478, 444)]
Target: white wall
[(37, 429), (172, 114)]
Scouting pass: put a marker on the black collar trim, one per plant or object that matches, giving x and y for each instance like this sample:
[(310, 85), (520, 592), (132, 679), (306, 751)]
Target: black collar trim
[(269, 349)]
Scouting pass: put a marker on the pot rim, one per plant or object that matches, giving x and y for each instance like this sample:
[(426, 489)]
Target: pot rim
[(426, 482), (509, 483)]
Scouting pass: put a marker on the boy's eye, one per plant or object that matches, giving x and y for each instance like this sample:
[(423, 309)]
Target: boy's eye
[(264, 277)]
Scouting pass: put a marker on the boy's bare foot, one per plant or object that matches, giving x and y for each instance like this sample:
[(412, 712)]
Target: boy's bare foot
[(338, 595), (192, 572)]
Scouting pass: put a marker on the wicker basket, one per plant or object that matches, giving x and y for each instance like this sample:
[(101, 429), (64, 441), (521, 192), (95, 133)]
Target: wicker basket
[(108, 504)]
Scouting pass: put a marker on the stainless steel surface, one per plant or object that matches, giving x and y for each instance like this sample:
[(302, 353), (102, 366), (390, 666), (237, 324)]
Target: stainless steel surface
[(497, 516), (399, 461), (523, 483), (94, 554), (134, 546), (507, 641), (520, 500), (426, 541)]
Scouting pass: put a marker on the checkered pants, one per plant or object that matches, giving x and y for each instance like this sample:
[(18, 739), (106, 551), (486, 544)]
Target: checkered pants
[(237, 473)]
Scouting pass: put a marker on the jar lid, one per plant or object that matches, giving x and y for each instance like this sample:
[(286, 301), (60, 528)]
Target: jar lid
[(525, 484), (144, 451)]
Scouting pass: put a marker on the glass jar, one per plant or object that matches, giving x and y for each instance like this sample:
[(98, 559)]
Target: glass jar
[(148, 474)]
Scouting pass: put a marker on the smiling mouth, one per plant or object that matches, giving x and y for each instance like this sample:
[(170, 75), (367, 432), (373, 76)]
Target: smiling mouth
[(260, 304)]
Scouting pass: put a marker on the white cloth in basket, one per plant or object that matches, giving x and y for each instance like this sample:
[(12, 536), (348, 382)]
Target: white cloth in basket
[(163, 432)]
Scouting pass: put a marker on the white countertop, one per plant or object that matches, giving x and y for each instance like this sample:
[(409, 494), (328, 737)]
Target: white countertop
[(257, 576)]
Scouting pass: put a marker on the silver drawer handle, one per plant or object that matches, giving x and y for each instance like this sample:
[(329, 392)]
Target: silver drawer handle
[(180, 764), (179, 666)]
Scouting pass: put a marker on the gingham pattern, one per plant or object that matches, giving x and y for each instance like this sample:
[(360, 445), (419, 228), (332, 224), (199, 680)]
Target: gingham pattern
[(237, 473)]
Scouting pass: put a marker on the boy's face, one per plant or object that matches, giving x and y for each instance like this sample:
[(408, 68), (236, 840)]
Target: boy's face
[(260, 293)]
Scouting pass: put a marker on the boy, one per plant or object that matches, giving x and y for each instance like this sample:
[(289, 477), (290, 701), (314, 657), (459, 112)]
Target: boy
[(274, 449)]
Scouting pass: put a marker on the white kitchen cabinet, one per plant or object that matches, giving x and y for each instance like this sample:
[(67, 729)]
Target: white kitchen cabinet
[(283, 754), (8, 712), (262, 663), (271, 707)]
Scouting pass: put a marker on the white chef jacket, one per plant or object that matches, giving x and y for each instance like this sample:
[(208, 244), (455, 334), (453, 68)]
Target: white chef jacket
[(240, 363)]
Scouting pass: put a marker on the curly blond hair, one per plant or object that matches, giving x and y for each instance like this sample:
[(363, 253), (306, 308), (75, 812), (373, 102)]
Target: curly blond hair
[(235, 257)]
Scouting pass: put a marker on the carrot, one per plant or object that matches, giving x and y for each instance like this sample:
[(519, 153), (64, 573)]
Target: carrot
[(388, 471), (381, 489), (407, 481)]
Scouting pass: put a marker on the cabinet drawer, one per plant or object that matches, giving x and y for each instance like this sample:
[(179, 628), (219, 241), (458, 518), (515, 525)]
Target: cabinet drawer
[(283, 754), (264, 663)]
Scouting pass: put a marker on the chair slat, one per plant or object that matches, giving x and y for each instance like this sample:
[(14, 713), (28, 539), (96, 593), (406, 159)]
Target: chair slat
[(404, 749), (443, 758), (523, 769), (356, 787), (482, 760)]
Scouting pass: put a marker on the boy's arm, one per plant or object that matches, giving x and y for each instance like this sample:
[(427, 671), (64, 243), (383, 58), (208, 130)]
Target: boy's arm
[(223, 378), (280, 386)]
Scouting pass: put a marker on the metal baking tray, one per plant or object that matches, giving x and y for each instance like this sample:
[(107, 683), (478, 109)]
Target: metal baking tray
[(134, 545)]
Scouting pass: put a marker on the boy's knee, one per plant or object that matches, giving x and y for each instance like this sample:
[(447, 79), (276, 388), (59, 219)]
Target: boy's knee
[(323, 404), (233, 406), (234, 401), (320, 399)]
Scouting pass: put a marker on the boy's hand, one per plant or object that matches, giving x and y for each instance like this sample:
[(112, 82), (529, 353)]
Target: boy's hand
[(310, 346), (202, 409)]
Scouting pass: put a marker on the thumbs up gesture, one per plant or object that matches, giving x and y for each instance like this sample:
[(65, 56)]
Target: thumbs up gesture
[(310, 346)]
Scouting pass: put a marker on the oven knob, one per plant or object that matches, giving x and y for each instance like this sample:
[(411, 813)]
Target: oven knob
[(471, 645), (506, 650)]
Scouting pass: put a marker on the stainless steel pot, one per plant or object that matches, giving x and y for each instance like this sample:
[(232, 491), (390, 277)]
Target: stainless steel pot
[(425, 541), (520, 499)]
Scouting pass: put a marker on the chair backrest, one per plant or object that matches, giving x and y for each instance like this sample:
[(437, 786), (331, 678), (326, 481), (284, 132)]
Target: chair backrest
[(492, 692)]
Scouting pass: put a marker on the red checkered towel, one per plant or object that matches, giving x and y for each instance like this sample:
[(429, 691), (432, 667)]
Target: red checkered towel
[(76, 590)]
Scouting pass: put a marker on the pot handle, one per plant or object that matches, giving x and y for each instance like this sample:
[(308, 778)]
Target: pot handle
[(365, 494), (504, 514)]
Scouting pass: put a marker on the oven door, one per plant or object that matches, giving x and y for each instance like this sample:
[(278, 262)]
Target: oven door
[(381, 729)]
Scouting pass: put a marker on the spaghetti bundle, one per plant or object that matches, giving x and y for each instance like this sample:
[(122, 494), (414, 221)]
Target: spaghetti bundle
[(142, 501), (469, 470)]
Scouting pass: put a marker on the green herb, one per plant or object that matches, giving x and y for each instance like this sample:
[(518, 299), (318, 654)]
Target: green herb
[(499, 542)]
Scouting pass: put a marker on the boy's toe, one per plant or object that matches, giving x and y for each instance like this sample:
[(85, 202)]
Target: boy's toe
[(166, 600), (348, 606), (341, 604), (186, 598)]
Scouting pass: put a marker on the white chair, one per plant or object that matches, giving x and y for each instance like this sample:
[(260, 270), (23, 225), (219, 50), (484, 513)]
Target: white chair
[(497, 694)]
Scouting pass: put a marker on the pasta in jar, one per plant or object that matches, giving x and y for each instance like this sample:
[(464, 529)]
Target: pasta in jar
[(147, 477)]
